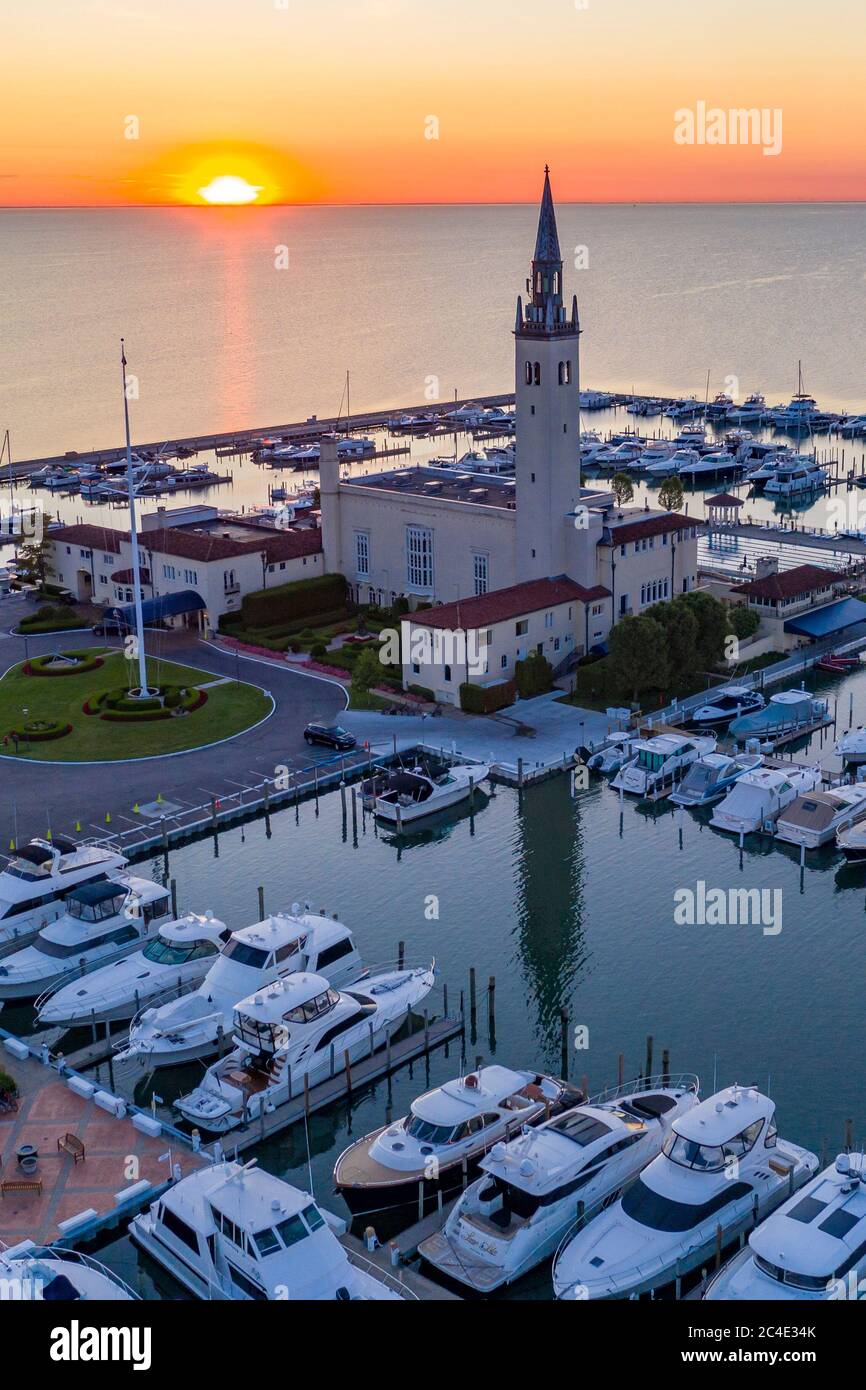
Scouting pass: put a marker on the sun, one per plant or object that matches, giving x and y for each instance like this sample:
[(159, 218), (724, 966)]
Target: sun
[(230, 189)]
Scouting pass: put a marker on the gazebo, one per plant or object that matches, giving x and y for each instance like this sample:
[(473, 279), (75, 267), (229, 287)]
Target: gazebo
[(722, 509)]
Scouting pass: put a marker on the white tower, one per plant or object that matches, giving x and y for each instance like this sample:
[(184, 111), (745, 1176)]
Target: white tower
[(547, 384)]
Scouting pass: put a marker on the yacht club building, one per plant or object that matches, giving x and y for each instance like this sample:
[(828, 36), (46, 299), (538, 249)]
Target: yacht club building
[(479, 543)]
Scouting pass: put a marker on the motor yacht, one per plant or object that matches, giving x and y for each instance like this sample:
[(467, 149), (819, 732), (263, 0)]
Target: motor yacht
[(720, 406), (758, 798), (794, 476), (659, 763), (753, 408), (816, 818), (852, 843), (190, 1026), (618, 456), (812, 1247), (414, 795), (667, 467), (178, 957), (52, 1274), (785, 712), (429, 1154), (724, 705), (534, 1188), (723, 1167), (101, 922), (851, 748), (618, 750), (296, 1032), (34, 884), (684, 409), (355, 446), (798, 415), (470, 415), (595, 400), (712, 776), (233, 1231), (762, 462), (716, 462), (660, 452)]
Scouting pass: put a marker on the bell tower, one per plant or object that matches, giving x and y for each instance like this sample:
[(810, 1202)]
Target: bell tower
[(547, 387)]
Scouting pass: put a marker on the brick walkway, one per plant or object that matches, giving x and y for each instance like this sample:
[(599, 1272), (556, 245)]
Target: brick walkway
[(117, 1156)]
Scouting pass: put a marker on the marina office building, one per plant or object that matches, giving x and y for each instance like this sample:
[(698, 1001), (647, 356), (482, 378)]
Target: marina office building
[(484, 546)]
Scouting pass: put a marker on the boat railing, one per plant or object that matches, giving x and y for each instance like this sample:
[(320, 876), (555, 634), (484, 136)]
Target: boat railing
[(682, 1081), (167, 997), (60, 1252), (391, 1281)]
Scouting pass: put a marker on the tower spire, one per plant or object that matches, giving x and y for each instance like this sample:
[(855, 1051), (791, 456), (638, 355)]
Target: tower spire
[(544, 307)]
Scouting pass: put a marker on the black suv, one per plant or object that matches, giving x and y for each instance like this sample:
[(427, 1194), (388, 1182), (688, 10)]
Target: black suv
[(331, 735)]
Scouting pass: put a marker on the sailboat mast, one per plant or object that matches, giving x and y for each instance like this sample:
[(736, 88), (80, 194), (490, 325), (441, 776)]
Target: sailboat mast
[(133, 535)]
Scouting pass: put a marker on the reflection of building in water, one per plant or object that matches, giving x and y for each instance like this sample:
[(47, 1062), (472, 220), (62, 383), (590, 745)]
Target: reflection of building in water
[(549, 929)]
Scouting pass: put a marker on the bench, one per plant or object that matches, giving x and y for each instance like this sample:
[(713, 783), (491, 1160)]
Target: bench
[(21, 1185), (72, 1145)]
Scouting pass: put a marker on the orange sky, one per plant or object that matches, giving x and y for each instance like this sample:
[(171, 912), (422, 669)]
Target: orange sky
[(330, 100)]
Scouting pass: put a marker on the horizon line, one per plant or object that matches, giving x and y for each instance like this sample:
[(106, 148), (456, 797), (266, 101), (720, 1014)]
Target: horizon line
[(449, 203)]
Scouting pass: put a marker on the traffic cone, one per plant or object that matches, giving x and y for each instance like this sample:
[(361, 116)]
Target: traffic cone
[(12, 846), (48, 836), (159, 798), (78, 826), (108, 818), (135, 809)]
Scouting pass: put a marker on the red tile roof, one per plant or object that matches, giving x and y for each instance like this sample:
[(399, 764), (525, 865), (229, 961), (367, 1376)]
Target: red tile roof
[(290, 545), (513, 602), (93, 537), (652, 524), (724, 499), (794, 583), (209, 545)]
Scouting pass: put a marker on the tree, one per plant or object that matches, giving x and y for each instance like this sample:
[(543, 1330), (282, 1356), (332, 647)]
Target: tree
[(622, 489), (671, 494), (743, 621), (533, 675), (713, 626), (32, 558), (681, 630), (638, 654), (366, 671)]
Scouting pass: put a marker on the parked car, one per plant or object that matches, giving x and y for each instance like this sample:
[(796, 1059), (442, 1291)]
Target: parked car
[(330, 736)]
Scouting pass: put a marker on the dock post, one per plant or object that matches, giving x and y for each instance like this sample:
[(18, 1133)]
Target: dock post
[(491, 1010), (472, 1010), (620, 1069), (93, 1024), (471, 793), (372, 1044), (174, 897), (421, 1200), (718, 1259), (220, 1040), (520, 773), (387, 1049), (306, 1093), (666, 1067), (343, 796), (354, 815), (649, 1056), (445, 1000), (426, 1032), (331, 1062), (261, 903), (394, 741), (348, 1067), (563, 1029), (401, 954), (464, 1171), (213, 815), (849, 1135), (266, 796)]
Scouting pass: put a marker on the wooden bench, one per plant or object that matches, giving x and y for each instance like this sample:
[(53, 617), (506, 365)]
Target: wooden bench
[(72, 1145), (21, 1185)]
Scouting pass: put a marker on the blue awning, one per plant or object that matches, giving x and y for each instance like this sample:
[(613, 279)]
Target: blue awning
[(833, 617), (165, 606)]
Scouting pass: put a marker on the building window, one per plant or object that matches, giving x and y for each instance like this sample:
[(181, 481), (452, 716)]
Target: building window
[(556, 644), (479, 573), (536, 373), (548, 619), (419, 557), (229, 581), (168, 572), (503, 661), (362, 553), (447, 673), (521, 628), (528, 373)]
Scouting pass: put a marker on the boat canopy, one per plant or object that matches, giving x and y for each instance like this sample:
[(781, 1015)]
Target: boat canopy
[(833, 617)]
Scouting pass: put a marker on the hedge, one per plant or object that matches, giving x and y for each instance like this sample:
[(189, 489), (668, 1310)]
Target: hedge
[(302, 598), (534, 676), (41, 731), (422, 691), (119, 705), (121, 716), (487, 699)]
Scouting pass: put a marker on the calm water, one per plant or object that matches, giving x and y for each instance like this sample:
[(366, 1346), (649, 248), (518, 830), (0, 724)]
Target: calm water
[(220, 339), (570, 906)]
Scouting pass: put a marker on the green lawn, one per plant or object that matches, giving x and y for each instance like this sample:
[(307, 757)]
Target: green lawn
[(229, 709)]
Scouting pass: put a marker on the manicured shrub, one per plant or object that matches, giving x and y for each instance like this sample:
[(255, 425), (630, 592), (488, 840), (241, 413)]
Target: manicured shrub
[(422, 691), (486, 699), (318, 651), (533, 675), (302, 598), (41, 731), (85, 661)]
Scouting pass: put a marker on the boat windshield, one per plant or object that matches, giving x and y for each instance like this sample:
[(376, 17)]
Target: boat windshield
[(426, 1132), (686, 1152), (177, 952), (244, 954), (649, 761), (64, 950)]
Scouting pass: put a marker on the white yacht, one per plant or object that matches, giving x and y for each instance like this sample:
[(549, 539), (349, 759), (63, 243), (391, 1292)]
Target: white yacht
[(712, 776), (355, 446), (725, 705), (36, 880), (753, 408), (233, 1231), (711, 464), (798, 415), (595, 400), (722, 1168), (51, 1274), (618, 456), (190, 1026), (428, 1154), (534, 1188), (660, 762), (812, 1247), (618, 750), (101, 923), (719, 406), (795, 476), (413, 795), (668, 467), (851, 747), (758, 798), (298, 1031), (179, 956), (816, 818), (470, 415), (784, 712)]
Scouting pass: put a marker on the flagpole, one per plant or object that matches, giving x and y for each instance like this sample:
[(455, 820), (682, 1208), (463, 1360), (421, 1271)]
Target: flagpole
[(133, 534)]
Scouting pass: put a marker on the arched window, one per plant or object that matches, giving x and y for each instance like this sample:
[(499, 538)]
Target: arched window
[(562, 367), (538, 282), (528, 373), (536, 373), (556, 282)]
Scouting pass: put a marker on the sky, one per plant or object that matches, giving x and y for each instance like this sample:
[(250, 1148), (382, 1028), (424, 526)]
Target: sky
[(125, 102)]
